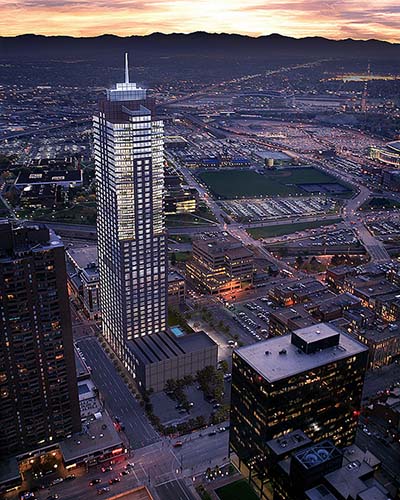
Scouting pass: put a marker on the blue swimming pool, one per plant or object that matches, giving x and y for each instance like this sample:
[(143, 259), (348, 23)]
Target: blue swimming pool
[(177, 331)]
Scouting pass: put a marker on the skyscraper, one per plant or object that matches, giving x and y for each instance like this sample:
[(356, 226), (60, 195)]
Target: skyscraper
[(128, 144), (38, 388)]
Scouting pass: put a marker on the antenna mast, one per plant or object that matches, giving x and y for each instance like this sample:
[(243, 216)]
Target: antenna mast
[(126, 68)]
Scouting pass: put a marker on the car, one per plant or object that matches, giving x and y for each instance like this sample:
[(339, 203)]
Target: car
[(27, 495), (124, 473), (177, 444), (107, 468), (216, 406), (94, 481), (114, 480), (212, 433), (103, 490), (57, 481), (221, 429), (53, 497), (131, 464), (70, 477)]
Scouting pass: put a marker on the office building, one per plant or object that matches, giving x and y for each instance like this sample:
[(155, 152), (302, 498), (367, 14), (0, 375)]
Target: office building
[(300, 469), (310, 380), (220, 264), (132, 253), (38, 387)]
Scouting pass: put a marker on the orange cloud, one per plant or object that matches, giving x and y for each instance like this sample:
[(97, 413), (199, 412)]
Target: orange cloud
[(339, 19)]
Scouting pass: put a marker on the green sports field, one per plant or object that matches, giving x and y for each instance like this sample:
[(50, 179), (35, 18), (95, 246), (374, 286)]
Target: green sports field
[(230, 184), (239, 490)]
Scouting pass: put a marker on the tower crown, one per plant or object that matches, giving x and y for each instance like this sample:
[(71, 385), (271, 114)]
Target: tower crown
[(126, 91)]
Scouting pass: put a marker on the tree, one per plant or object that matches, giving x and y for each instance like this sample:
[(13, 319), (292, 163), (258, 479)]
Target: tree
[(223, 364), (170, 385)]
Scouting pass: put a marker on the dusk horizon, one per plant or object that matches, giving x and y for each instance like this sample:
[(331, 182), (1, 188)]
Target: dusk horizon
[(297, 18), (216, 33)]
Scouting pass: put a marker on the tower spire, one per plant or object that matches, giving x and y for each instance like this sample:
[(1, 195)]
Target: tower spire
[(126, 68)]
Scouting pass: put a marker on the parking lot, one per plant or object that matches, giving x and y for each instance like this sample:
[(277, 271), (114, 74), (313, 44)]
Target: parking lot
[(253, 317), (169, 412), (265, 209), (388, 228)]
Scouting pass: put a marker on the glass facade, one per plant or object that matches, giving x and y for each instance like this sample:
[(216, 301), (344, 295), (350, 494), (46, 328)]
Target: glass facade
[(128, 144), (322, 401)]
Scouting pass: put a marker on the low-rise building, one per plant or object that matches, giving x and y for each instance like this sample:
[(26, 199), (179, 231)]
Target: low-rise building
[(171, 355), (336, 276), (220, 264), (176, 289), (64, 177), (383, 345), (296, 291), (285, 320), (83, 278)]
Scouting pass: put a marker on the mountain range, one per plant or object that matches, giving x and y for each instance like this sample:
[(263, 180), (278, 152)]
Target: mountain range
[(198, 43)]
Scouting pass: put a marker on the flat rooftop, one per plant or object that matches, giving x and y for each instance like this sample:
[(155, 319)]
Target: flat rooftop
[(316, 332), (275, 155), (285, 359), (288, 442), (222, 244), (97, 435), (174, 276), (81, 368), (43, 175), (163, 346), (82, 257)]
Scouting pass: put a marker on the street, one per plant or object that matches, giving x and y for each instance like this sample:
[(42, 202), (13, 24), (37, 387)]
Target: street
[(168, 472), (119, 400)]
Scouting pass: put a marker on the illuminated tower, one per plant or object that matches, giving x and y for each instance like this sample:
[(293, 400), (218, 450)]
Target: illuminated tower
[(128, 143)]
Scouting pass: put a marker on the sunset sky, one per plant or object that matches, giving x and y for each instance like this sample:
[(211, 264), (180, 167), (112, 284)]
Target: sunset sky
[(298, 18)]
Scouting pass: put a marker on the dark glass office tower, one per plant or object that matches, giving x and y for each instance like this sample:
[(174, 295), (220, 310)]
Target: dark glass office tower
[(128, 143), (38, 388), (310, 380)]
